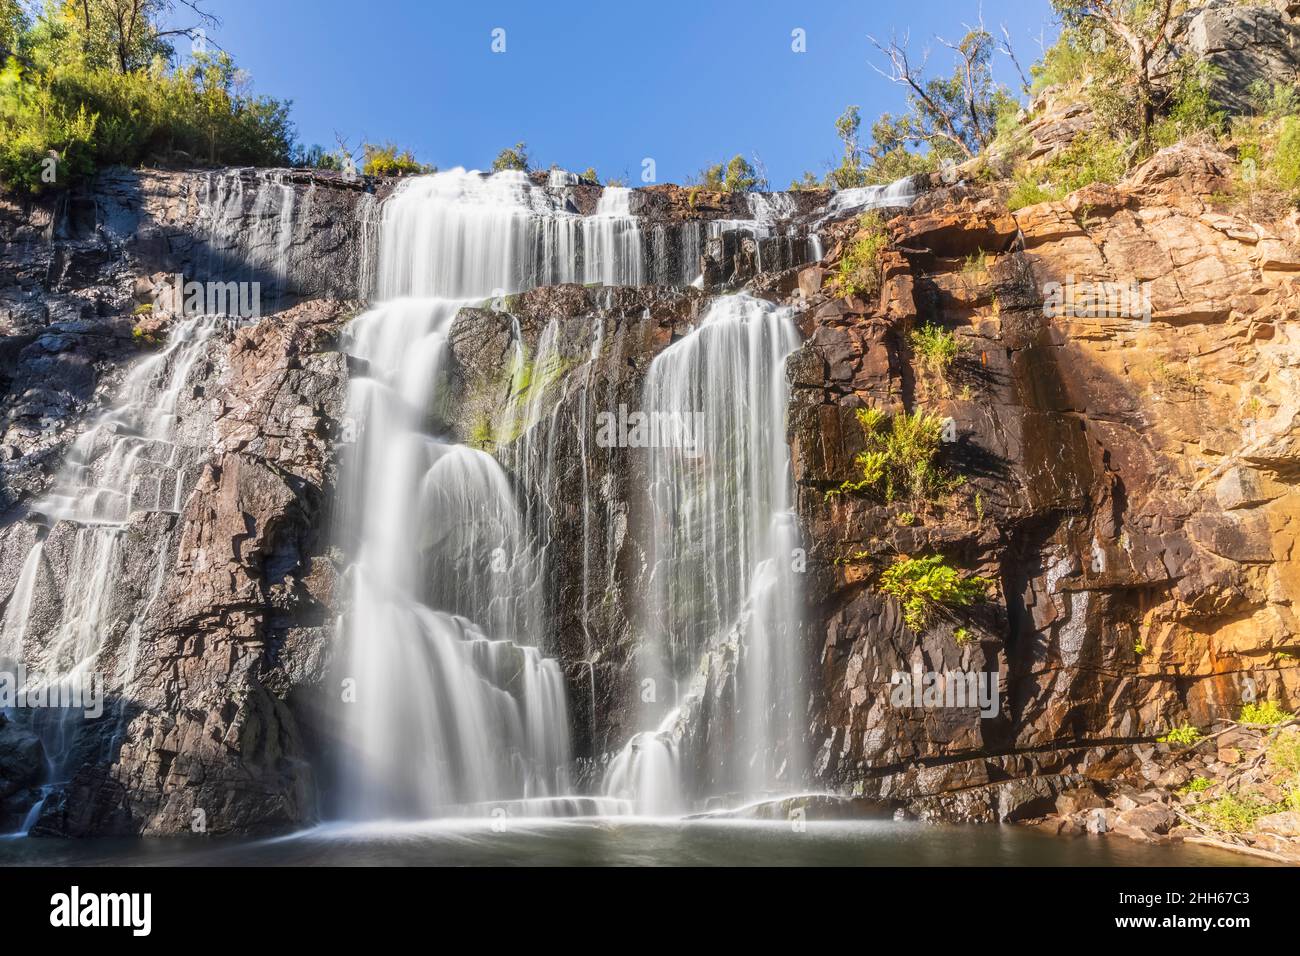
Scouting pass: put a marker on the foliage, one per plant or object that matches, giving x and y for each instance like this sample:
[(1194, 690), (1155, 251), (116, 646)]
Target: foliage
[(1197, 784), (1183, 736), (899, 458), (513, 157), (590, 174), (897, 162), (1192, 107), (924, 584), (1067, 61), (849, 173), (1234, 813), (859, 269), (935, 348), (734, 176), (1273, 101), (1091, 158), (955, 115), (317, 157), (1284, 751), (44, 138), (1268, 713), (809, 181), (1125, 37), (963, 636), (146, 337), (388, 160), (80, 98), (13, 23), (1286, 158)]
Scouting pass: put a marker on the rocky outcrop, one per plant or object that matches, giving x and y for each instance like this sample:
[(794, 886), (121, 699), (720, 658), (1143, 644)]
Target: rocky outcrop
[(219, 611), (1115, 484), (1243, 43)]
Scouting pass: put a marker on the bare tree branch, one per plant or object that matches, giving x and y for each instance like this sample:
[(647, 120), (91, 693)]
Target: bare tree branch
[(1006, 50), (903, 73)]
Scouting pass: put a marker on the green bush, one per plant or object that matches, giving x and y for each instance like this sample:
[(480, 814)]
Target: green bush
[(1196, 785), (388, 160), (1284, 751), (923, 585), (859, 271), (1192, 108), (1286, 158), (935, 348), (900, 457), (1235, 814), (1274, 100), (1028, 190), (88, 117), (1268, 713), (1091, 158), (1183, 736), (514, 157)]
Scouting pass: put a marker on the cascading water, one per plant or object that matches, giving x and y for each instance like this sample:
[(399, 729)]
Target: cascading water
[(724, 541), (456, 708), (137, 459), (131, 462)]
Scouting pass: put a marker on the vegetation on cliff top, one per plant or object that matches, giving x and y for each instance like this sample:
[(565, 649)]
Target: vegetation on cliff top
[(97, 82)]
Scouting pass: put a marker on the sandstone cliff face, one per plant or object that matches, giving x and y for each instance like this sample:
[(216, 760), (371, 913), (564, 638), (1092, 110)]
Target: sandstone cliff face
[(1131, 484)]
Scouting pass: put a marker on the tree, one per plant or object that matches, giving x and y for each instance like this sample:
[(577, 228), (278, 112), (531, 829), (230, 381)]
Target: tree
[(515, 157), (737, 175), (849, 172), (13, 21), (953, 115), (125, 35), (1143, 29)]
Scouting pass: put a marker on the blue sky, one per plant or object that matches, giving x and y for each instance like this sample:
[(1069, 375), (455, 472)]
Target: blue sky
[(596, 84)]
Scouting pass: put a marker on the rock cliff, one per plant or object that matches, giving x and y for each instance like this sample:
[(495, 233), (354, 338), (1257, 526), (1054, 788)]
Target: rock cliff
[(1129, 482)]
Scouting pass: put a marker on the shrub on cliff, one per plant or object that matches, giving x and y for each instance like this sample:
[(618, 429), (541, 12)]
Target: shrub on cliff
[(513, 157), (935, 348), (1266, 713), (900, 456), (389, 160), (923, 585), (859, 271), (1091, 158)]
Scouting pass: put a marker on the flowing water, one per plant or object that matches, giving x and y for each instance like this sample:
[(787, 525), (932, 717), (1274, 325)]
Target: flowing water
[(458, 703), (725, 549), (136, 460)]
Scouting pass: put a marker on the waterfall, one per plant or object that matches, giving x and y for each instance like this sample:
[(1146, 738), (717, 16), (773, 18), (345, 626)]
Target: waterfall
[(898, 194), (134, 460), (457, 708), (128, 463), (462, 235), (724, 583)]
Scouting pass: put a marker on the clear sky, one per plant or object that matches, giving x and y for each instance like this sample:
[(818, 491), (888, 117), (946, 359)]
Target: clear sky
[(599, 84)]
